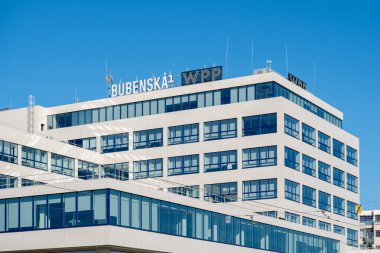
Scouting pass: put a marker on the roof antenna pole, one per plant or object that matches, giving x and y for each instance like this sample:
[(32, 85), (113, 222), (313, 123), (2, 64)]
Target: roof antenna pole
[(252, 55), (227, 59), (286, 58), (108, 79), (314, 77)]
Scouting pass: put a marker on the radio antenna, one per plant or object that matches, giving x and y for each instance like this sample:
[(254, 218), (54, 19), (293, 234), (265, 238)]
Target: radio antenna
[(227, 59), (314, 77), (286, 58), (252, 55), (108, 79)]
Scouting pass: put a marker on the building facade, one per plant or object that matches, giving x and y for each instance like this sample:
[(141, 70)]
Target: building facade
[(370, 229), (248, 164)]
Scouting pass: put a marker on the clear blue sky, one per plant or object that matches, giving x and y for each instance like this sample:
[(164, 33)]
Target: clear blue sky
[(51, 48)]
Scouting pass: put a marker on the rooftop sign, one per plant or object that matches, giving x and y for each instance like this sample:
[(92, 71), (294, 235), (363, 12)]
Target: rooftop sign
[(201, 75), (297, 81)]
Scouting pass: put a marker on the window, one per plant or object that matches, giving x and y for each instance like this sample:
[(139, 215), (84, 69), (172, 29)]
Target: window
[(324, 142), (352, 237), (338, 149), (308, 165), (259, 157), (220, 129), (324, 171), (8, 152), (292, 217), (260, 124), (180, 165), (114, 143), (119, 171), (292, 190), (308, 134), (338, 177), (377, 233), (27, 182), (188, 191), (147, 138), (338, 206), (324, 225), (260, 189), (264, 90), (8, 181), (324, 201), (183, 134), (62, 165), (291, 126), (308, 196), (352, 183), (292, 158), (87, 170), (219, 161), (339, 230), (352, 156), (223, 192), (87, 143), (306, 221), (351, 210), (147, 168), (34, 158)]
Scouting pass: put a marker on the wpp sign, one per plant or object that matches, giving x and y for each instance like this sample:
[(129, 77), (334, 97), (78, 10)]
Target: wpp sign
[(201, 75)]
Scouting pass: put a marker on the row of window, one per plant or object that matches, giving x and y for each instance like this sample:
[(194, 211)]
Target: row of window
[(7, 181), (292, 159), (186, 102), (110, 207), (292, 128), (213, 130), (309, 197)]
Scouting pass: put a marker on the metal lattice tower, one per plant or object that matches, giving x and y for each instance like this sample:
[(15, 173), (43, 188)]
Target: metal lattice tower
[(30, 122)]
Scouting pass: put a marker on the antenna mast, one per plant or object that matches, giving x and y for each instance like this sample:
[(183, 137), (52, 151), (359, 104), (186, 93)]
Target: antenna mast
[(108, 79), (227, 59), (30, 120), (286, 58)]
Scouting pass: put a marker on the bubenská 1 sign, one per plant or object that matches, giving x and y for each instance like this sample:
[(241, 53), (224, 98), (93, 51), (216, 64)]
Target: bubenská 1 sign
[(201, 75), (144, 85)]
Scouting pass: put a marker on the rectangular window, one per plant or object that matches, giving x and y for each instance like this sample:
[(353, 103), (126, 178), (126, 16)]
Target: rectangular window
[(291, 126), (55, 211), (260, 124), (180, 165), (324, 226), (219, 161), (87, 143), (62, 165), (219, 193), (114, 143), (188, 191), (114, 212), (119, 171), (352, 237), (308, 165), (40, 212), (352, 183), (338, 149), (306, 221), (259, 157), (147, 168), (8, 181), (292, 190), (84, 208), (339, 230), (351, 210), (70, 215), (87, 170), (183, 134), (324, 142), (292, 158), (308, 196), (260, 189), (292, 217), (324, 201), (308, 134), (34, 158), (324, 171), (220, 129), (8, 152), (26, 213), (338, 177), (352, 156), (338, 206), (100, 207), (264, 90), (147, 138), (12, 221)]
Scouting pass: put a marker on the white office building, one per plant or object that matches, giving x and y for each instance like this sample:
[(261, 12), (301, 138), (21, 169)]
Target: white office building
[(370, 230), (248, 164)]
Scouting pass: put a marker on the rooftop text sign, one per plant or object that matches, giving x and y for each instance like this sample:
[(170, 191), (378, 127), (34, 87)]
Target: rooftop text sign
[(201, 75), (297, 81), (144, 85)]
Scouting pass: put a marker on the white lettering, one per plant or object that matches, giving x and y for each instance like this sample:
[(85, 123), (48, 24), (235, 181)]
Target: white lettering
[(128, 88), (121, 89), (156, 83), (149, 84), (135, 87), (114, 90), (143, 85)]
